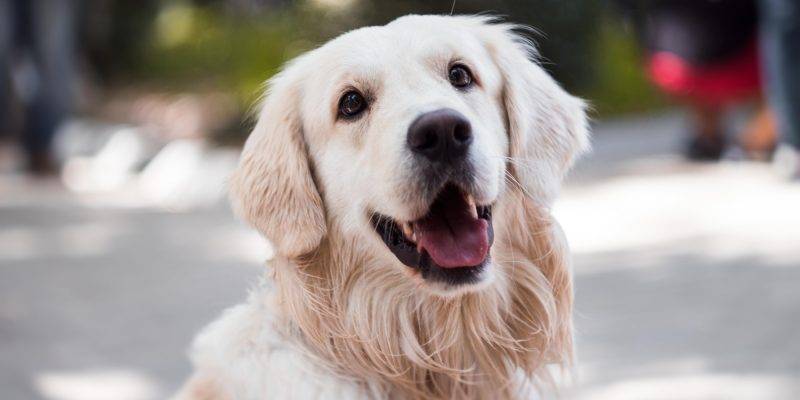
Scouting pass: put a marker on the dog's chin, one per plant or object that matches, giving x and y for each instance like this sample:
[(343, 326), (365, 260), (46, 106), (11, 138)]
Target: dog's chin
[(480, 277), (448, 248)]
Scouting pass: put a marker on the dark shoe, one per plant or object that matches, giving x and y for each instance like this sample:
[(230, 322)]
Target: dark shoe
[(41, 164), (705, 148)]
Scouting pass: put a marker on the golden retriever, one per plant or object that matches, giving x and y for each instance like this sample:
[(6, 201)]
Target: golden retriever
[(404, 174)]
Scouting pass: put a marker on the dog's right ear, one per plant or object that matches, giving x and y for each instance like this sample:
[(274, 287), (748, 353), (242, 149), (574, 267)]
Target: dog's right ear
[(273, 188)]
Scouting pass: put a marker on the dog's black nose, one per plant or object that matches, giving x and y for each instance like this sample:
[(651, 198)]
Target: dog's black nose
[(441, 135)]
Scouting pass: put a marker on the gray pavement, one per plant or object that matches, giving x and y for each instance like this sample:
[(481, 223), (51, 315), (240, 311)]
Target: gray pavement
[(686, 275), (687, 279)]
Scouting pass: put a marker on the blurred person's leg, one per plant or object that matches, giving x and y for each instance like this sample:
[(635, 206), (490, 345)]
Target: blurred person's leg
[(780, 45), (52, 43), (707, 140), (759, 137), (6, 26)]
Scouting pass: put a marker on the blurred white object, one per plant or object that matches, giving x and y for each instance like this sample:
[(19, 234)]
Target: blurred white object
[(186, 173), (96, 385), (166, 177), (786, 162), (111, 167), (132, 166)]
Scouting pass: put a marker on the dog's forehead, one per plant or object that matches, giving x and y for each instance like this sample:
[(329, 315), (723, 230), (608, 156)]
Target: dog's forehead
[(409, 54), (402, 42)]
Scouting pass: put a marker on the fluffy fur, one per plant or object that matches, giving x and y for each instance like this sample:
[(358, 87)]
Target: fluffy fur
[(338, 316)]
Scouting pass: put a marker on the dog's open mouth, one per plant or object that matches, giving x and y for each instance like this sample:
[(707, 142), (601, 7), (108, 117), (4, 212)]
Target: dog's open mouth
[(450, 243)]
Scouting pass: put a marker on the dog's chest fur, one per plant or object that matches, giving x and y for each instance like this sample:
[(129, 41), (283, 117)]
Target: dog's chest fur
[(259, 362)]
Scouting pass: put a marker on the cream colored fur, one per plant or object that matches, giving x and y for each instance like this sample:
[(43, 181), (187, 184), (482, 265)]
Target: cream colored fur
[(337, 316)]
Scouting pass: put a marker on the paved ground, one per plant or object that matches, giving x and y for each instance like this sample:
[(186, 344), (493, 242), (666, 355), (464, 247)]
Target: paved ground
[(687, 280)]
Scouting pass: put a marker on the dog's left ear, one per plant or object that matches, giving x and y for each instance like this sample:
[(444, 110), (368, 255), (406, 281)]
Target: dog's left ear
[(547, 126)]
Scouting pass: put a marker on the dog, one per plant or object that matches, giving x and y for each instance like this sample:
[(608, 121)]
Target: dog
[(404, 175)]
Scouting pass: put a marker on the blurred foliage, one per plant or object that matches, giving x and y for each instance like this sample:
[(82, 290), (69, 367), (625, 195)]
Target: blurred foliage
[(235, 45), (197, 46), (620, 84), (184, 46)]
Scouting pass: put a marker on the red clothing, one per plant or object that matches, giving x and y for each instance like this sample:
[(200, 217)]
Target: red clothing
[(714, 84)]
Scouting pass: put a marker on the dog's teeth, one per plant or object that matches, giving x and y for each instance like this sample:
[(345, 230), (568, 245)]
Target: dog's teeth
[(470, 201), (473, 210), (408, 231)]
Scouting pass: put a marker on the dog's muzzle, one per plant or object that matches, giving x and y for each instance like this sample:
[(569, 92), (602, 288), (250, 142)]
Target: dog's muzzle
[(451, 241)]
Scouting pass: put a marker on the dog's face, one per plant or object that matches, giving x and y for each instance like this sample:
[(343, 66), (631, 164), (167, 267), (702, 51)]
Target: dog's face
[(403, 138), (406, 130)]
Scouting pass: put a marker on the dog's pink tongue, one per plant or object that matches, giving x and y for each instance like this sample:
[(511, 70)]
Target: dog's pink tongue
[(451, 235)]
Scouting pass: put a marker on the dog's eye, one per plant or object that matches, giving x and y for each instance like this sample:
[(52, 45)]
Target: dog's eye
[(352, 104), (460, 76)]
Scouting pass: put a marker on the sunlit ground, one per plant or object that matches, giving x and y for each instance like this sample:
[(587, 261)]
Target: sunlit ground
[(687, 275)]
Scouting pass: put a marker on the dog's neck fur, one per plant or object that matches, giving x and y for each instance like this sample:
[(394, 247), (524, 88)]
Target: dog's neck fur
[(377, 326)]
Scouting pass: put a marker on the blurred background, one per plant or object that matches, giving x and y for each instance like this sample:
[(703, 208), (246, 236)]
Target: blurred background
[(121, 120)]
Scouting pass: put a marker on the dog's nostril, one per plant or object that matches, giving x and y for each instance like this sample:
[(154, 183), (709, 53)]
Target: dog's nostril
[(441, 135), (426, 141), (462, 133)]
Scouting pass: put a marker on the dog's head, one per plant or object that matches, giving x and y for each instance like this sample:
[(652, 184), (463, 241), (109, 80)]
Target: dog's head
[(404, 138)]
